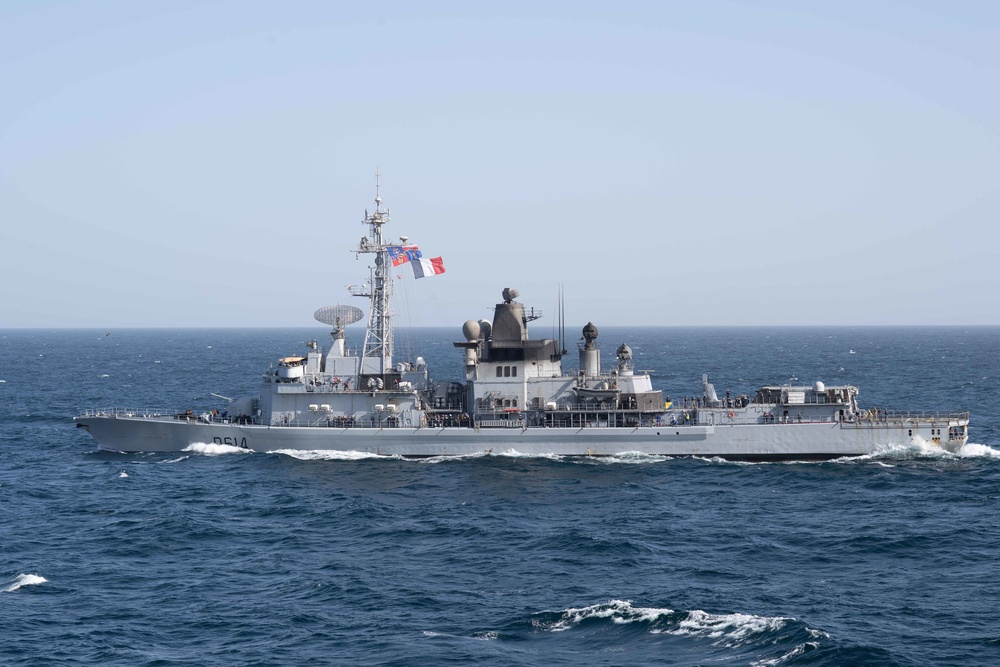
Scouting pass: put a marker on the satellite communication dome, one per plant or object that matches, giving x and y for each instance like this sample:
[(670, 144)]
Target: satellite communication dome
[(338, 316), (471, 330), (485, 328)]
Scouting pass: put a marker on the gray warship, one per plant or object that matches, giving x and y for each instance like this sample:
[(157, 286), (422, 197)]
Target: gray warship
[(516, 396)]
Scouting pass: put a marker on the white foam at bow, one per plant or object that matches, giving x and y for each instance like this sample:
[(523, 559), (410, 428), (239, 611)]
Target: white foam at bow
[(972, 449), (24, 580), (214, 450), (921, 448), (917, 447)]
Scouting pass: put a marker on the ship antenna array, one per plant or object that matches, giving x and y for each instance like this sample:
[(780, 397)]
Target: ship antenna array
[(338, 316), (562, 320), (378, 335)]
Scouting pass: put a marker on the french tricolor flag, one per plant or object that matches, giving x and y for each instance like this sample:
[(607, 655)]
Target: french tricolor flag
[(427, 267)]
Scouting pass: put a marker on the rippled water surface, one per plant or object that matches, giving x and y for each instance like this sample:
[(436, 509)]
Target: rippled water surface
[(218, 557)]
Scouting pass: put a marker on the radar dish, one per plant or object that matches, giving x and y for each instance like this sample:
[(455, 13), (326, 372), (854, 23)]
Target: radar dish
[(338, 316)]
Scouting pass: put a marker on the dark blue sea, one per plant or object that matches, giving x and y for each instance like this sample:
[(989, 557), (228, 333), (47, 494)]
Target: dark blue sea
[(222, 557)]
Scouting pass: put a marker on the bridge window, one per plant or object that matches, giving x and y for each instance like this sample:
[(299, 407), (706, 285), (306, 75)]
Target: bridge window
[(499, 371)]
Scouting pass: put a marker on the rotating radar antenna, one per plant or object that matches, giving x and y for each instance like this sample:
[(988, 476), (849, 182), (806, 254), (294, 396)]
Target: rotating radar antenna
[(338, 316)]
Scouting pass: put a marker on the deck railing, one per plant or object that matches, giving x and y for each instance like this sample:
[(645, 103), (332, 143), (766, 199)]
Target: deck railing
[(138, 412), (890, 418), (614, 419)]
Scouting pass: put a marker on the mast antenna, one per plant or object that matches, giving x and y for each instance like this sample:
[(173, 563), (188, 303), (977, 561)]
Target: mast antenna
[(377, 354), (562, 320)]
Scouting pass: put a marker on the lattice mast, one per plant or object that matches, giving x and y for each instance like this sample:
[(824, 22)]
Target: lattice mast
[(377, 355)]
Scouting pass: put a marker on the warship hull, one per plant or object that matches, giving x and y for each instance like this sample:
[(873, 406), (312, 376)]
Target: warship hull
[(793, 441)]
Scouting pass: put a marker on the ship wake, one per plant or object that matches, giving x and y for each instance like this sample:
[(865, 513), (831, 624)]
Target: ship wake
[(330, 455)]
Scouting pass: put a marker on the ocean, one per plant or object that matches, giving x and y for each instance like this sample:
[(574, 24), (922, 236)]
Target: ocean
[(218, 556)]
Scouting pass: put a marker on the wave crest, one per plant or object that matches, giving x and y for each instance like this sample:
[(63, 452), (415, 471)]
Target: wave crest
[(23, 580), (728, 629), (723, 629)]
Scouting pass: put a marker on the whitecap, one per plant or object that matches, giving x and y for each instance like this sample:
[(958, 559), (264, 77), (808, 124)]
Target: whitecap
[(177, 460), (328, 455), (727, 629), (795, 652), (122, 475), (105, 376), (619, 611), (212, 449), (23, 580)]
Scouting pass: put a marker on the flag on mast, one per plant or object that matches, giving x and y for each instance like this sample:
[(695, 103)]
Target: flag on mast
[(427, 267), (401, 254)]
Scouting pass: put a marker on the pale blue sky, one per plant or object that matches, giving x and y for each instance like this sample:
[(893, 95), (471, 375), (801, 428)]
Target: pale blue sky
[(689, 163)]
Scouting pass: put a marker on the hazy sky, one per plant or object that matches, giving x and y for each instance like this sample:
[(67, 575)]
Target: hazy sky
[(689, 163)]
